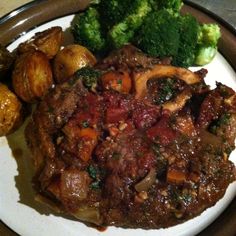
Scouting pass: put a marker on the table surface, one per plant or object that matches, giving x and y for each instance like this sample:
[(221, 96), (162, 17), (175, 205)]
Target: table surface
[(225, 9)]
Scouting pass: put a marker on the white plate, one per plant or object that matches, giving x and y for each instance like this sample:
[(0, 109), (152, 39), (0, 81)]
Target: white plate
[(27, 217)]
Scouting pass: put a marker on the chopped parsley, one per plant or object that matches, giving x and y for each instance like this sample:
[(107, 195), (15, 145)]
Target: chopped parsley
[(156, 149), (166, 90), (50, 109), (223, 120), (187, 198), (85, 124), (89, 76), (93, 171), (119, 81), (162, 162), (95, 185), (96, 174)]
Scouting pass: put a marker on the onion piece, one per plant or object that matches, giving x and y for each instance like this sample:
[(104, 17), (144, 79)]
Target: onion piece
[(88, 214), (48, 203), (210, 139), (147, 182)]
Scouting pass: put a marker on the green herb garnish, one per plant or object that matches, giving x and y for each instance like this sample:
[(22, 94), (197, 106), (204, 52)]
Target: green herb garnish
[(85, 124), (95, 185), (93, 171)]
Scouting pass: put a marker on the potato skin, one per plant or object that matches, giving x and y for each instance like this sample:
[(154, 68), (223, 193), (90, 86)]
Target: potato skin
[(69, 60), (32, 76), (10, 111), (48, 41)]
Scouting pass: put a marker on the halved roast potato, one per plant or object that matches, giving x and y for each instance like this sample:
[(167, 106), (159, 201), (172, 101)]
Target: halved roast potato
[(48, 41), (70, 59), (32, 76)]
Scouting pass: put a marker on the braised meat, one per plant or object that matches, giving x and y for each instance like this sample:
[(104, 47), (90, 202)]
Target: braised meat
[(148, 148)]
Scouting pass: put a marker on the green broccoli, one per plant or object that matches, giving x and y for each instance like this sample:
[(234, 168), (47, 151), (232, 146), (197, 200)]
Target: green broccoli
[(208, 37), (120, 35), (173, 5), (124, 31), (188, 29), (209, 34), (113, 11), (155, 26), (204, 55), (89, 76), (159, 34), (87, 30)]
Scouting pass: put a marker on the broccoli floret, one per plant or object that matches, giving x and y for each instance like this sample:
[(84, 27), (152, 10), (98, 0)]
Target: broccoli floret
[(208, 37), (113, 11), (155, 26), (159, 34), (209, 34), (188, 29), (120, 35), (124, 31), (173, 5), (87, 30), (89, 76)]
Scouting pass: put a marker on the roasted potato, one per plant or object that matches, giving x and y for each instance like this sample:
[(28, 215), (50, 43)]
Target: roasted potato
[(32, 76), (10, 111), (48, 41), (70, 59)]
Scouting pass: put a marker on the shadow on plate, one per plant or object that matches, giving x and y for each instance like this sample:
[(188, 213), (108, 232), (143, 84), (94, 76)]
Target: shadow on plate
[(23, 181)]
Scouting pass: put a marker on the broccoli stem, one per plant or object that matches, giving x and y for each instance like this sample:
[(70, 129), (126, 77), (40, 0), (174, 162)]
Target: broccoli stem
[(205, 55)]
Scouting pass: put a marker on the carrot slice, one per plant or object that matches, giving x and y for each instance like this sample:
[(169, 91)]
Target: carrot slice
[(176, 176), (117, 80), (89, 133), (88, 142)]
